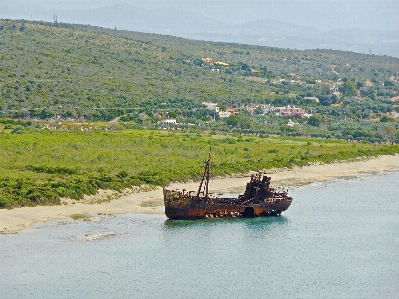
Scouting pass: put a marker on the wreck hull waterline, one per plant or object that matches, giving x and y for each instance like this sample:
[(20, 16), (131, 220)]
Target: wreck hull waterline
[(200, 209), (258, 200)]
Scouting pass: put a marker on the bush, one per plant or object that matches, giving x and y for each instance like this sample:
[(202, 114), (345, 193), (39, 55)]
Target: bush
[(314, 121)]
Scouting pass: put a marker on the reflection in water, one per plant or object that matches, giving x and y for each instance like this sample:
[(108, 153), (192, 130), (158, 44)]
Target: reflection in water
[(254, 223), (265, 222)]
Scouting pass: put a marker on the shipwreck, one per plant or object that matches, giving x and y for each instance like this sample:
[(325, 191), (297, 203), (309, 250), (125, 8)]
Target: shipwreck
[(258, 200)]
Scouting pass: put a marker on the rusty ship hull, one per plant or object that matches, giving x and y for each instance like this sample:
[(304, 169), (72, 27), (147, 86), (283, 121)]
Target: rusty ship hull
[(258, 200), (181, 206)]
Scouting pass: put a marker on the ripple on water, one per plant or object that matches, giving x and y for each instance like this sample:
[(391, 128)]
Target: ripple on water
[(337, 240)]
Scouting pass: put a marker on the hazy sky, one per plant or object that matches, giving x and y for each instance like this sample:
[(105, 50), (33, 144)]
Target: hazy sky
[(321, 14)]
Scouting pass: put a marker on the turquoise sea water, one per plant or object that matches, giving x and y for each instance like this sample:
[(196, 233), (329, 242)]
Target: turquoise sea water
[(337, 240)]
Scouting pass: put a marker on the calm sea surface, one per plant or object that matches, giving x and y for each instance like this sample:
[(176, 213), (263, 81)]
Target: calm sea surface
[(337, 240)]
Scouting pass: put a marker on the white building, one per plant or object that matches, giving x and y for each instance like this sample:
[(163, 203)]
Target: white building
[(224, 114), (211, 106), (169, 121)]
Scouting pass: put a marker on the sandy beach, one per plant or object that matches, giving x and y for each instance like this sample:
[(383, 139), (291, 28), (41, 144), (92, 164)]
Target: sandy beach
[(108, 203)]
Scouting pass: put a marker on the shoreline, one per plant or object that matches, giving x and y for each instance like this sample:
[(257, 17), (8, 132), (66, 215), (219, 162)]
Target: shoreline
[(17, 219)]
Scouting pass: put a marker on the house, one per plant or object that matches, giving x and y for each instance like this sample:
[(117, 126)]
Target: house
[(211, 106), (291, 123), (232, 111), (368, 83), (307, 115), (207, 61), (335, 88), (224, 114), (276, 110), (277, 80), (227, 113), (169, 121), (292, 111)]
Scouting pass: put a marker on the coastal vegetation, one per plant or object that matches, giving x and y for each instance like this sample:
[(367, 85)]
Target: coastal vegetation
[(83, 108), (40, 167)]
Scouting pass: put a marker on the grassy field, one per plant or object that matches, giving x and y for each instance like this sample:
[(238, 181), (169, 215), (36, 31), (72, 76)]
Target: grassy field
[(37, 168)]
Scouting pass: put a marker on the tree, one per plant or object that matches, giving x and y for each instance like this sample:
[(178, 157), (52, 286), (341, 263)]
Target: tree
[(388, 83), (374, 80), (232, 120), (314, 121), (324, 89), (348, 88), (390, 133), (386, 119), (258, 111), (328, 100)]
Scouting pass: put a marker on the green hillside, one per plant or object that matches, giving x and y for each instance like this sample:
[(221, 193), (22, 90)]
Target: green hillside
[(89, 73)]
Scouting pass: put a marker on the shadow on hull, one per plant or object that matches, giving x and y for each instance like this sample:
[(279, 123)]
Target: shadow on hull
[(258, 200)]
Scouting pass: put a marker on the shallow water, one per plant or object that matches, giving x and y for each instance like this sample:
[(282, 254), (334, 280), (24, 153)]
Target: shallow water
[(337, 240)]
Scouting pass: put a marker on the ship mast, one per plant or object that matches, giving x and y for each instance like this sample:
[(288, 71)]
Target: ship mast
[(205, 177)]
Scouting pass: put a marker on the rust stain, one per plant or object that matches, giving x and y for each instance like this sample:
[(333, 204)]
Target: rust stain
[(258, 200)]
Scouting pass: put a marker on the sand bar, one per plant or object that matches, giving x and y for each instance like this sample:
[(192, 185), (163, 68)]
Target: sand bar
[(145, 202)]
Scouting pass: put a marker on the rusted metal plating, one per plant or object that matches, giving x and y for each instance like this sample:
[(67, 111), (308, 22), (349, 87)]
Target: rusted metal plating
[(258, 200)]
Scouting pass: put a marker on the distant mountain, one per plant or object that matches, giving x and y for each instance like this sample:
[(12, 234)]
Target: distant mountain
[(274, 28), (268, 32), (178, 22), (128, 17)]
